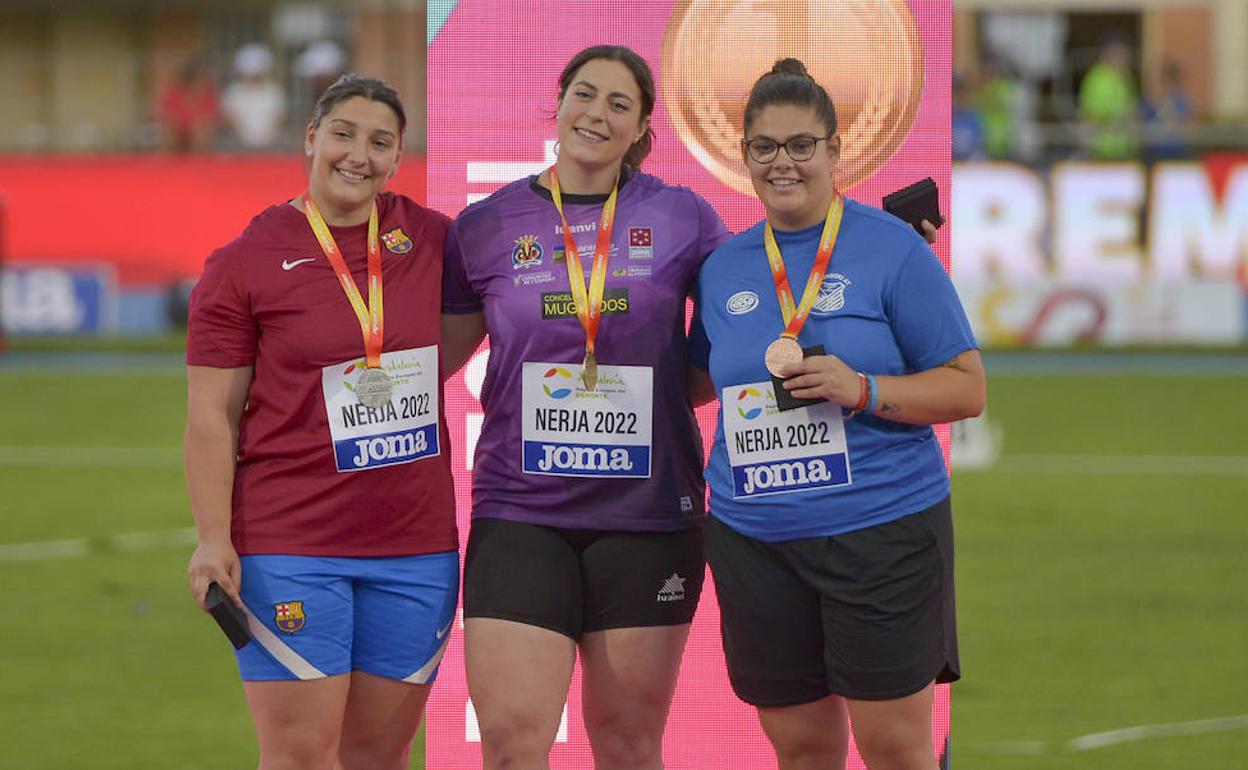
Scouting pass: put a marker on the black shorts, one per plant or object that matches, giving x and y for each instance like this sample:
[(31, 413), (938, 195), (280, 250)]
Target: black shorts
[(574, 580), (868, 615)]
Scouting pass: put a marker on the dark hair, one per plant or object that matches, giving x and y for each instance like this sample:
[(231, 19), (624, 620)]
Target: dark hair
[(645, 83), (351, 85), (788, 82)]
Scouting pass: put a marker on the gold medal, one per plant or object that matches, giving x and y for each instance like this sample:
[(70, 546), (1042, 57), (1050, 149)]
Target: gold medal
[(589, 371)]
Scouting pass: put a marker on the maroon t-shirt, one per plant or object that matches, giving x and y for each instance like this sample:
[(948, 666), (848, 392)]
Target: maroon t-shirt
[(317, 473)]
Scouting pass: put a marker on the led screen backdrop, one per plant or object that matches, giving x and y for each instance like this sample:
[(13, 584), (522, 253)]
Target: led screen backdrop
[(493, 81)]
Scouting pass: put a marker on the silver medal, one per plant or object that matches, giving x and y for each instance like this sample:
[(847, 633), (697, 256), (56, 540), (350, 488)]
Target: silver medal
[(374, 388)]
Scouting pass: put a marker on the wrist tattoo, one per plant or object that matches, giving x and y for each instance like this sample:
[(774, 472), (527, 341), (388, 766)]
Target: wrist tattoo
[(887, 408)]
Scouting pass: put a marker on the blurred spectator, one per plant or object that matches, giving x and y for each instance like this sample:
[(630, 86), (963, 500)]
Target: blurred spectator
[(1109, 103), (968, 132), (1167, 115), (996, 101), (254, 104), (319, 65), (188, 110)]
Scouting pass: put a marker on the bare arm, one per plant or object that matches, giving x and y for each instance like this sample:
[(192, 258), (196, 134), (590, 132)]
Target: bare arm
[(699, 386), (952, 391), (461, 336), (214, 408)]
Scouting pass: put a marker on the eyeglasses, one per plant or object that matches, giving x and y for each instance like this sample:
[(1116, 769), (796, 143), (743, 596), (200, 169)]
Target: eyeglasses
[(799, 148)]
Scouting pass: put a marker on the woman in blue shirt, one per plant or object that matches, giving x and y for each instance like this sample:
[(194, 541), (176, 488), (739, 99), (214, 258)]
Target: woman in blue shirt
[(830, 539)]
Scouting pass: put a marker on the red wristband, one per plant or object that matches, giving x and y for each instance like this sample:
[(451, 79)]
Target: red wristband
[(864, 395)]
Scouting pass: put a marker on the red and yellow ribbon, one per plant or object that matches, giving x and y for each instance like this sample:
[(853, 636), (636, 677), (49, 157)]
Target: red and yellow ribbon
[(371, 316)]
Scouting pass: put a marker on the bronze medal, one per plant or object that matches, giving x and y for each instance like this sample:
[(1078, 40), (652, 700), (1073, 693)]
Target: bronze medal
[(782, 353)]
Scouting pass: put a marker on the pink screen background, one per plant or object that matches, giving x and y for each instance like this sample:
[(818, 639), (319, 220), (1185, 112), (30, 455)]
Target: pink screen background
[(493, 83)]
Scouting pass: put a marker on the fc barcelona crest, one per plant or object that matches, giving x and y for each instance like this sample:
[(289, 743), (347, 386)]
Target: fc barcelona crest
[(397, 241), (289, 616), (527, 252)]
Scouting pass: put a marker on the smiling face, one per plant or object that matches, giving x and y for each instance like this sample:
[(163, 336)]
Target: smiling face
[(599, 117), (354, 151), (796, 194)]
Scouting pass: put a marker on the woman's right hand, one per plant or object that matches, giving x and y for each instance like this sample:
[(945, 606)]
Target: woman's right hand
[(215, 562)]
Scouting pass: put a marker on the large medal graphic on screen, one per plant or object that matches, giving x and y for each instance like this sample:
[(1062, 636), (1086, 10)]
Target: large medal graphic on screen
[(492, 94)]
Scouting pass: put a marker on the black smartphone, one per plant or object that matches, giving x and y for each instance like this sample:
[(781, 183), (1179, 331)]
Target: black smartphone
[(915, 203), (228, 616)]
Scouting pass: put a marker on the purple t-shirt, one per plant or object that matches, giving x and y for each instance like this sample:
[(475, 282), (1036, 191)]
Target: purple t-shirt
[(627, 455)]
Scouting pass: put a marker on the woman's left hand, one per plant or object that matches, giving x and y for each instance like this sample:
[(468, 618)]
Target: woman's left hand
[(826, 377)]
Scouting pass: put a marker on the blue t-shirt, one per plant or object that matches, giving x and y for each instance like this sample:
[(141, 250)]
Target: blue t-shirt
[(886, 307)]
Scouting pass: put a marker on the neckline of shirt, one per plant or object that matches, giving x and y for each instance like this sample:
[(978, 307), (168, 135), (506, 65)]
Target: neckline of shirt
[(576, 199)]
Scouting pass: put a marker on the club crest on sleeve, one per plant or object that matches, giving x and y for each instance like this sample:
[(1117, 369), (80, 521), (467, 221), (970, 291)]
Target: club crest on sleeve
[(397, 241), (289, 616), (526, 253), (831, 294)]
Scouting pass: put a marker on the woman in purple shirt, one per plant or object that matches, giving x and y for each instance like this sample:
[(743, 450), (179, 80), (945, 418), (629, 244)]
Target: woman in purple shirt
[(588, 499)]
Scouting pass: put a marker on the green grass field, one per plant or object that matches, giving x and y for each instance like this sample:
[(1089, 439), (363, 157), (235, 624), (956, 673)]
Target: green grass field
[(1099, 589)]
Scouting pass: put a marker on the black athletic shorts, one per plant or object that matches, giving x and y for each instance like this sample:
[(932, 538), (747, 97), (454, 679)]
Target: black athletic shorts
[(574, 580), (868, 615)]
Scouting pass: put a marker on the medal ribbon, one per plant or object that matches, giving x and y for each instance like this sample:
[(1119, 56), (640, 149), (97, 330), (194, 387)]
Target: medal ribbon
[(371, 316), (795, 317), (588, 304)]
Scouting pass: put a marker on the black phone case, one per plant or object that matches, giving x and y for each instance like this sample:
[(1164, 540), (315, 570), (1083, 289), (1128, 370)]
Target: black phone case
[(229, 617), (786, 401), (915, 203)]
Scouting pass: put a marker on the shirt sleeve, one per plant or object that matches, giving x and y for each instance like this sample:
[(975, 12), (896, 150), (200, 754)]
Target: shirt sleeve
[(458, 295), (926, 315), (221, 331), (711, 228), (699, 343)]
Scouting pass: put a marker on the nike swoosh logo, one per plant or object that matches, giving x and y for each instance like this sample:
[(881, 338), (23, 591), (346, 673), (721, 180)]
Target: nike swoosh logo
[(288, 265), (444, 629)]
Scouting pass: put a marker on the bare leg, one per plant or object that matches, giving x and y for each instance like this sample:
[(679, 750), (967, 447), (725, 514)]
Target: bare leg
[(629, 677), (518, 677), (809, 736), (298, 723), (381, 720), (895, 734)]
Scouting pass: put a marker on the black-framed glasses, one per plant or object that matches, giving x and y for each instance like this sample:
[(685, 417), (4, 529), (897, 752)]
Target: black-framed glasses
[(764, 149)]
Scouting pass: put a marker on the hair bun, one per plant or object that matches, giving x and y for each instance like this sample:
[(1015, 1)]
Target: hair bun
[(790, 66)]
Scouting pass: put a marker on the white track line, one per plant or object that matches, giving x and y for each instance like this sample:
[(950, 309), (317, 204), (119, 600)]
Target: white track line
[(1132, 734), (1144, 732), (77, 547), (1118, 465), (19, 456)]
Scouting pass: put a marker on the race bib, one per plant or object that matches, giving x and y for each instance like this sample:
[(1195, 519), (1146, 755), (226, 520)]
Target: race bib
[(773, 452), (570, 431), (401, 431)]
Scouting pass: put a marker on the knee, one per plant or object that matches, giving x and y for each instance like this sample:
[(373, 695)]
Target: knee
[(626, 743), (514, 740), (895, 751), (810, 750), (307, 751), (379, 754)]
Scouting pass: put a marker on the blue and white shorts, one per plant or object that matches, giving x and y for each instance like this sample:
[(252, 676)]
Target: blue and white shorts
[(317, 616)]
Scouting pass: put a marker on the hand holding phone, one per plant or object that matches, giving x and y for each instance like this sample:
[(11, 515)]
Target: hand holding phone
[(915, 203), (231, 618)]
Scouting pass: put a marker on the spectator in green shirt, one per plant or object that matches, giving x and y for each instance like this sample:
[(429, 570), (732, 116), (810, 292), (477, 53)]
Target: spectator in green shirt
[(1109, 102)]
